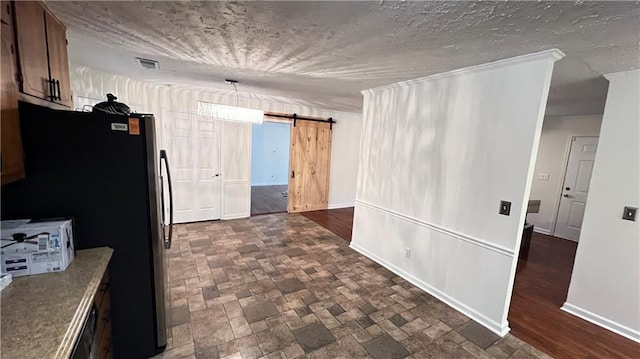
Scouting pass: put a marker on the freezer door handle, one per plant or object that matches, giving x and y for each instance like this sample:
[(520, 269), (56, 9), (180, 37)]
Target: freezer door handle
[(168, 237)]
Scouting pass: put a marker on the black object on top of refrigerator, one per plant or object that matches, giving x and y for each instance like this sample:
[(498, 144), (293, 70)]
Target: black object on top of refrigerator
[(103, 170)]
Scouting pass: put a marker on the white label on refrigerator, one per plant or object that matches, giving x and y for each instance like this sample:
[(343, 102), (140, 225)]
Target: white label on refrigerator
[(119, 127)]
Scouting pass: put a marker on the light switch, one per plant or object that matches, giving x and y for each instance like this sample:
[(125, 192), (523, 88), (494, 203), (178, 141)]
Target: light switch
[(505, 208), (629, 213), (543, 176)]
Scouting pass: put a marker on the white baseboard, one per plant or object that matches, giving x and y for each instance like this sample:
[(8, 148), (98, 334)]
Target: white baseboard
[(500, 329), (564, 237), (341, 205), (602, 321), (541, 230), (235, 216)]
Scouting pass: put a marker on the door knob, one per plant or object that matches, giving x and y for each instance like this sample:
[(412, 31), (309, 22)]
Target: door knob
[(566, 195), (567, 189), (217, 175)]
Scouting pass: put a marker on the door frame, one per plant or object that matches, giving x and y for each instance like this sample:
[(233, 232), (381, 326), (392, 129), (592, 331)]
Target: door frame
[(280, 118), (220, 131), (556, 209), (286, 121)]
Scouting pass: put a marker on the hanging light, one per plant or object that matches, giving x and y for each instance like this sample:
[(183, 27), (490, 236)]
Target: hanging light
[(230, 113)]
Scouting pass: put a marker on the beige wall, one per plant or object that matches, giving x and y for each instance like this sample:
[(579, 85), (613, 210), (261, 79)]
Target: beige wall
[(552, 154)]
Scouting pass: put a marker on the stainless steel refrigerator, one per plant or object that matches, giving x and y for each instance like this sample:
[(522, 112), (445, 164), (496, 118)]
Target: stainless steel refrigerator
[(105, 172)]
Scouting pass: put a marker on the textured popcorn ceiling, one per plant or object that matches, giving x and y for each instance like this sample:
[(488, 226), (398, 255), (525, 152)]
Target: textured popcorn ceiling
[(324, 53)]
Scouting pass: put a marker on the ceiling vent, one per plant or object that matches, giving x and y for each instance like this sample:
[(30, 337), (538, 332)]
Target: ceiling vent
[(147, 64)]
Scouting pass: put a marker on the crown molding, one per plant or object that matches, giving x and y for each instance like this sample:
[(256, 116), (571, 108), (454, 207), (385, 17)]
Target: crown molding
[(551, 54), (622, 74)]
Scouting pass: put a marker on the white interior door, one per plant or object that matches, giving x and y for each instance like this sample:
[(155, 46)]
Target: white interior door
[(576, 187), (194, 158)]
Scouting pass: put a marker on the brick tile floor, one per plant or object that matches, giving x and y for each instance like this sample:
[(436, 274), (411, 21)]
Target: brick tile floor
[(281, 286)]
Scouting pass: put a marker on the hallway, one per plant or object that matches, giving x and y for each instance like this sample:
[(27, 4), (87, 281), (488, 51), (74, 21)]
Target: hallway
[(540, 289)]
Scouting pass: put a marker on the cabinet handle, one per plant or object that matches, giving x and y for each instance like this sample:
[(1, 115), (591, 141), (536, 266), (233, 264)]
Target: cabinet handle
[(59, 96), (52, 89)]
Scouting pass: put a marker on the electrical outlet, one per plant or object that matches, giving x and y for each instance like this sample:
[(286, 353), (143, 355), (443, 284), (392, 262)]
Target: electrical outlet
[(543, 176), (629, 213), (407, 252), (505, 208)]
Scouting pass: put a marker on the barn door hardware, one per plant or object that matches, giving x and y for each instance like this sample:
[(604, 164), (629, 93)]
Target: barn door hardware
[(297, 118)]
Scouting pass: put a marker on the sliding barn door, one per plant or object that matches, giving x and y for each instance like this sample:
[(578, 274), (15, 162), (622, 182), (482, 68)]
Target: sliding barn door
[(309, 166)]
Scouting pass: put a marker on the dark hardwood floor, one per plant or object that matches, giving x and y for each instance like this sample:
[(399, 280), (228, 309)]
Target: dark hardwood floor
[(540, 289), (338, 221), (268, 199)]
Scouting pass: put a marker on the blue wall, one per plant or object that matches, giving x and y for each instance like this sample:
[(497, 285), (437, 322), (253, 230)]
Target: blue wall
[(270, 154)]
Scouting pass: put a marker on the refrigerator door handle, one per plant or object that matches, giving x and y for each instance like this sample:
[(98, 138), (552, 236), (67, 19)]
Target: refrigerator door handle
[(167, 239)]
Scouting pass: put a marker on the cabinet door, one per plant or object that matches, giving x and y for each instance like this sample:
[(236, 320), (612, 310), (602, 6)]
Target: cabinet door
[(58, 60), (11, 145), (6, 11), (32, 48)]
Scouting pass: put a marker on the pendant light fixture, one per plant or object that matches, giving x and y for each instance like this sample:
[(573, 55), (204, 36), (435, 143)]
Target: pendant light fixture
[(230, 113)]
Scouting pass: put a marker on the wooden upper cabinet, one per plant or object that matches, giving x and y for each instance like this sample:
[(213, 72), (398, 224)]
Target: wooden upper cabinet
[(32, 48), (6, 13), (58, 60), (12, 162), (42, 54)]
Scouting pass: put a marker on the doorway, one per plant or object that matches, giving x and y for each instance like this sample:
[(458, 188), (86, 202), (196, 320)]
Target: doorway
[(270, 146), (575, 187), (559, 189), (300, 144)]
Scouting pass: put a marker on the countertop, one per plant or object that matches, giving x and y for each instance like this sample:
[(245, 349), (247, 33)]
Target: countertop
[(42, 315)]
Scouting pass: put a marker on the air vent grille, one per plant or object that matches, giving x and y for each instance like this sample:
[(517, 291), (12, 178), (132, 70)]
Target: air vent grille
[(147, 64)]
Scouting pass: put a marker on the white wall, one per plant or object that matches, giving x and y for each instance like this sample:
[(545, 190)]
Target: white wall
[(552, 156), (605, 283), (236, 170), (437, 156), (270, 153), (345, 155), (91, 86)]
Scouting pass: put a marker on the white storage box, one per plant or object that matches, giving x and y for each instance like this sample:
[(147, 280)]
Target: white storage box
[(36, 247), (5, 280)]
